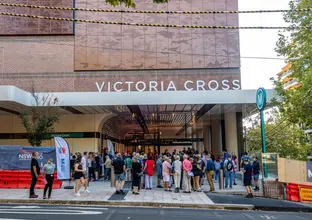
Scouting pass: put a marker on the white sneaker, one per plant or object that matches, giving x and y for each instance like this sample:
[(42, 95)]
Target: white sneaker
[(77, 194), (87, 191)]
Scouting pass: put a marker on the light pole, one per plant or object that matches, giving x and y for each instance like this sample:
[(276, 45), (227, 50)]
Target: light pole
[(261, 103)]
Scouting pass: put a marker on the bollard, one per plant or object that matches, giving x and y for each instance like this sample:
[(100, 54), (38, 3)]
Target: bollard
[(112, 177), (221, 179)]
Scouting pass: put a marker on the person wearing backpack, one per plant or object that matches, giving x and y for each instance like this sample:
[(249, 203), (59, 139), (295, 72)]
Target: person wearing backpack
[(228, 168)]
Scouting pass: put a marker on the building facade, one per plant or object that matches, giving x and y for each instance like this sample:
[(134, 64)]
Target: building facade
[(122, 81)]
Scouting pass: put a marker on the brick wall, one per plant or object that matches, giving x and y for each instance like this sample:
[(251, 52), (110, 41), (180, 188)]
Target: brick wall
[(36, 54)]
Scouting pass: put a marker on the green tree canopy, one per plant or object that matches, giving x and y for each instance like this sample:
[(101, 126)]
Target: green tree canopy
[(296, 47), (130, 3), (281, 137)]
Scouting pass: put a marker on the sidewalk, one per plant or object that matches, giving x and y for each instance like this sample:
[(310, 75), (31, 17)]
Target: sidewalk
[(102, 194)]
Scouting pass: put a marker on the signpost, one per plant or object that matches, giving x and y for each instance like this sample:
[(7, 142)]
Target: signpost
[(261, 103)]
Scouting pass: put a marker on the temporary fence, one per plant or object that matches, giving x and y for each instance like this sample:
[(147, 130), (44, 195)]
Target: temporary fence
[(21, 179)]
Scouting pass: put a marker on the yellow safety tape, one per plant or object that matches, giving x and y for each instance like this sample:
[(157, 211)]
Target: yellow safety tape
[(155, 12), (146, 25)]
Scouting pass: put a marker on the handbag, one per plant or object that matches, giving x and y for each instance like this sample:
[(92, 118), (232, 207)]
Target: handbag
[(190, 173)]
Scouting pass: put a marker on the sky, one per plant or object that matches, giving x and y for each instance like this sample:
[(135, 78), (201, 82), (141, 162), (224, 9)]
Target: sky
[(260, 43)]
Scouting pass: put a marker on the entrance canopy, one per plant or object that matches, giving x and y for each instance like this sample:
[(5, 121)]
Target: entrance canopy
[(13, 94)]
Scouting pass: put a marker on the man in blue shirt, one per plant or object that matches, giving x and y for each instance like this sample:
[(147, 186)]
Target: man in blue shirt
[(247, 177)]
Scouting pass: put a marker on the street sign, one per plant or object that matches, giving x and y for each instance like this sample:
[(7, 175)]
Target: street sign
[(261, 99), (305, 193)]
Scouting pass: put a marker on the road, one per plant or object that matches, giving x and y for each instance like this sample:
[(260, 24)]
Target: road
[(65, 212)]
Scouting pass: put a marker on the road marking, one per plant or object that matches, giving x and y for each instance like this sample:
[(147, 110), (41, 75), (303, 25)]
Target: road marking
[(11, 219), (25, 207), (110, 214), (49, 212), (248, 216), (85, 208), (267, 217)]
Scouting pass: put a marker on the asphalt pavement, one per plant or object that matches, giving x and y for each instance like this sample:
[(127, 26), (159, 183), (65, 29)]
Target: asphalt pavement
[(64, 212), (260, 203)]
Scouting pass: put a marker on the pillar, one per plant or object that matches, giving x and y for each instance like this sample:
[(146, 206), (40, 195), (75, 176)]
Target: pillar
[(194, 144), (231, 132), (240, 137), (200, 144), (206, 142), (216, 136)]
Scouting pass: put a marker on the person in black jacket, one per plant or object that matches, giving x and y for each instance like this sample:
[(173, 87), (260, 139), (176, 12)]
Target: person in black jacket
[(35, 171), (256, 172), (197, 172)]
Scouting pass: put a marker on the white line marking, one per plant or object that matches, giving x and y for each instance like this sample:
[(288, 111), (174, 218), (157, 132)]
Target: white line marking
[(11, 219), (84, 208), (49, 212), (24, 207), (248, 216)]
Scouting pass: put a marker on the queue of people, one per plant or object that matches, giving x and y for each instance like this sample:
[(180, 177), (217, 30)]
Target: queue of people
[(184, 170)]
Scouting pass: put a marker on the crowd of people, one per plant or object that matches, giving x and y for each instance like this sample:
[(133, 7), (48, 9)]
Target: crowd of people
[(184, 170)]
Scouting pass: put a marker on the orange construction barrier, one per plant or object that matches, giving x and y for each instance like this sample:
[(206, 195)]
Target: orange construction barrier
[(21, 179)]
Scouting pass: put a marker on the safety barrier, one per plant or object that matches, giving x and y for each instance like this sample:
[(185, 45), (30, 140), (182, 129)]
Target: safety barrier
[(292, 192), (21, 179)]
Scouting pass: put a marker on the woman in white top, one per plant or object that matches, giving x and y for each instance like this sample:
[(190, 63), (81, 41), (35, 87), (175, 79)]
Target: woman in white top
[(176, 169)]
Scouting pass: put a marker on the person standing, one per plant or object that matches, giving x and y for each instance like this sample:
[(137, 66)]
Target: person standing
[(210, 170), (48, 176), (196, 171), (35, 171), (84, 168), (136, 173), (128, 163), (228, 167), (187, 168), (159, 171), (78, 176), (108, 168), (166, 173), (149, 168), (256, 172), (119, 171), (217, 164), (247, 177), (177, 166)]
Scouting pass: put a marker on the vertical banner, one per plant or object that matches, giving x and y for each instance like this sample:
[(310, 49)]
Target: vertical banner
[(62, 159), (111, 149)]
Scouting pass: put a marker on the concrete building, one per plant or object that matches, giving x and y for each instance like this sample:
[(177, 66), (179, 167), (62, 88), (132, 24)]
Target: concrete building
[(152, 87)]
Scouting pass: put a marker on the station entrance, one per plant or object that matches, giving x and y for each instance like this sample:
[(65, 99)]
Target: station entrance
[(154, 129)]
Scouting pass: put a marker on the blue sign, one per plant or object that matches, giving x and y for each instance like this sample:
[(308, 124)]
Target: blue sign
[(309, 171), (261, 99), (19, 157)]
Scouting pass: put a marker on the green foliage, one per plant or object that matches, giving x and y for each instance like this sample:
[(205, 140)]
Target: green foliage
[(296, 47), (40, 120), (130, 3), (281, 137)]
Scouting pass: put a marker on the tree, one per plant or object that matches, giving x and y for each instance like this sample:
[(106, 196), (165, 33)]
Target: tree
[(296, 47), (281, 137), (130, 3), (43, 115)]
